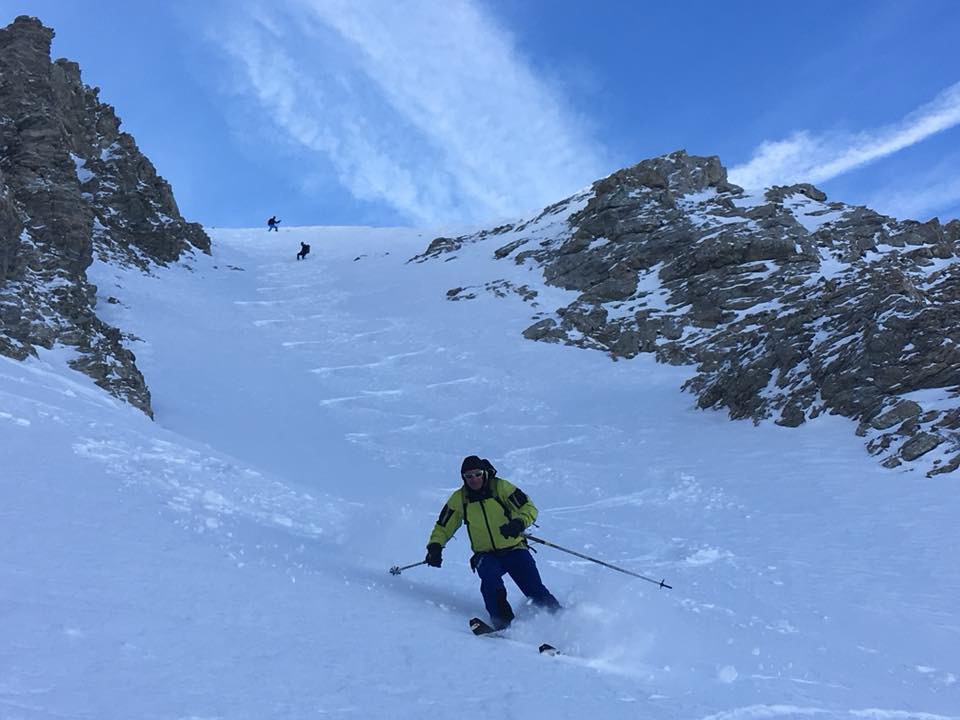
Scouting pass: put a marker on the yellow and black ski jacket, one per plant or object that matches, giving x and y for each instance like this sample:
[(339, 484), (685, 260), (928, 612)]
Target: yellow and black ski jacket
[(483, 512)]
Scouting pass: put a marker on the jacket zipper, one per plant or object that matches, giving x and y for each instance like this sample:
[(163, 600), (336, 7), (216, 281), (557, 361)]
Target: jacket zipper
[(486, 522)]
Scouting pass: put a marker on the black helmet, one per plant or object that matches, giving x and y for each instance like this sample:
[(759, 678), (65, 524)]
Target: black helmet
[(473, 462)]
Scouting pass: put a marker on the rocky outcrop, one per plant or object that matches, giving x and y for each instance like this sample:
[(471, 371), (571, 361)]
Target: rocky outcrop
[(72, 187), (787, 305)]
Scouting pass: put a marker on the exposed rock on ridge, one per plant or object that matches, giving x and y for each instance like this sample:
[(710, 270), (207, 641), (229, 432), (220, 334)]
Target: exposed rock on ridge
[(72, 186), (788, 305)]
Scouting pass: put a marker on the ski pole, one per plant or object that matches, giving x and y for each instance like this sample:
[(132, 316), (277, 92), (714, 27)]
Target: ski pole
[(535, 539), (396, 569)]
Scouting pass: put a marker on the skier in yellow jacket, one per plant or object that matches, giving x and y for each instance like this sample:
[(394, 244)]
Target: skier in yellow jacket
[(496, 513)]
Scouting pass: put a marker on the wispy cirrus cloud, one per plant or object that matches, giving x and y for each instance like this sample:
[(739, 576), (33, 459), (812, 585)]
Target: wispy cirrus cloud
[(804, 157), (425, 106), (931, 194)]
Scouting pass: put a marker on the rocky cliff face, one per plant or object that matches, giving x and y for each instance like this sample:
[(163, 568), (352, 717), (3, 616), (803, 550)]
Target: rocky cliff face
[(788, 306), (72, 186)]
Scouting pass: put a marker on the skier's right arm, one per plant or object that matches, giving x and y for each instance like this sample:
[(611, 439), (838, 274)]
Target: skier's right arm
[(450, 520)]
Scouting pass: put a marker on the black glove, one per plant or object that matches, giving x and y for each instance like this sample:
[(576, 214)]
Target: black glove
[(434, 555), (512, 529)]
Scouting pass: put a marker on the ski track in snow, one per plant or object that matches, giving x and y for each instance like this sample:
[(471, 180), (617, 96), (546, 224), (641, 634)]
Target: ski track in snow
[(309, 423)]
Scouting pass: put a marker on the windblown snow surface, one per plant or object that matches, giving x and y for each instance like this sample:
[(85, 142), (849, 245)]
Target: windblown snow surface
[(230, 559)]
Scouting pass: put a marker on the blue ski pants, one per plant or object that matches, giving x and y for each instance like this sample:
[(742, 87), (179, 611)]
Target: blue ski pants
[(520, 565)]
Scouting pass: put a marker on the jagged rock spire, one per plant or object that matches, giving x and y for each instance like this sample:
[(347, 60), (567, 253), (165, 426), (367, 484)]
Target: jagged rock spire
[(72, 185)]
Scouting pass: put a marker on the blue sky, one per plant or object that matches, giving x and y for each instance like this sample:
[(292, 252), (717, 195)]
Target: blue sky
[(372, 112)]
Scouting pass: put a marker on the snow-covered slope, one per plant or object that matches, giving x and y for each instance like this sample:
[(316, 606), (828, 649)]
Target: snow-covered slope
[(230, 560)]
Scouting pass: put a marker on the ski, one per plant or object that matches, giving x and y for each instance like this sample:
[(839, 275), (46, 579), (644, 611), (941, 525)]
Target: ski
[(480, 628)]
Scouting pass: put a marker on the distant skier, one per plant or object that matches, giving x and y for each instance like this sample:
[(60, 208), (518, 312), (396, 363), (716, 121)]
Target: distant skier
[(272, 224), (304, 251), (496, 513)]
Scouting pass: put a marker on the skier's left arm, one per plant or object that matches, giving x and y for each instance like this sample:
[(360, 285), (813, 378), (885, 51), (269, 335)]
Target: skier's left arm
[(521, 507)]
